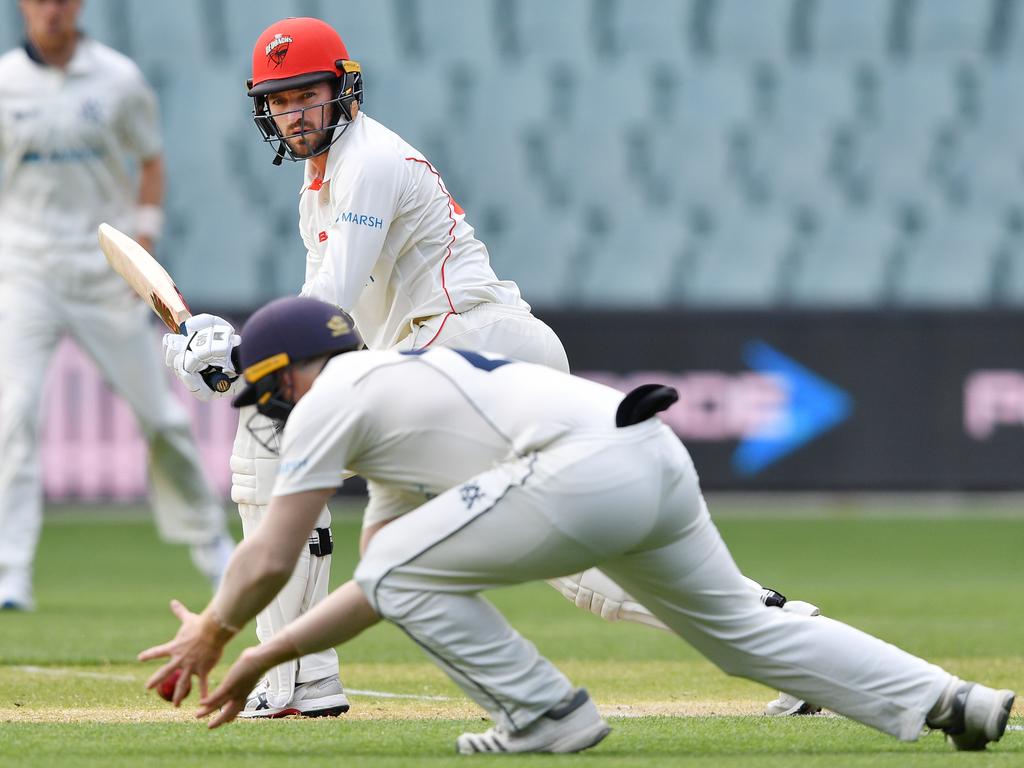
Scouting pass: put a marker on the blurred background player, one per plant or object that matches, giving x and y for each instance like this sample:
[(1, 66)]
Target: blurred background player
[(386, 241), (73, 115)]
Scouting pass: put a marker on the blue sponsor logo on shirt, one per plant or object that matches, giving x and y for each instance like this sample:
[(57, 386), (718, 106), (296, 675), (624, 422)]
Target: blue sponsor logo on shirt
[(62, 156), (287, 467), (362, 220)]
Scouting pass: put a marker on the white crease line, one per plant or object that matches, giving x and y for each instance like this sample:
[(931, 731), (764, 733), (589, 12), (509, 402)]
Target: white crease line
[(64, 672), (1015, 727), (386, 695), (60, 672)]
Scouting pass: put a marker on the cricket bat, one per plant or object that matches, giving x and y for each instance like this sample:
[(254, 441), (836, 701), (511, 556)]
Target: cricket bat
[(155, 287)]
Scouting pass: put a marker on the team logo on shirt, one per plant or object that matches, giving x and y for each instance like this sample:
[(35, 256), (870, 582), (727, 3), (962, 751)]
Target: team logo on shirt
[(277, 49), (471, 494), (91, 111)]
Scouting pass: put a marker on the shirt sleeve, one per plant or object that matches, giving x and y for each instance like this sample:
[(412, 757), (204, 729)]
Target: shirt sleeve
[(324, 433), (139, 118), (364, 202)]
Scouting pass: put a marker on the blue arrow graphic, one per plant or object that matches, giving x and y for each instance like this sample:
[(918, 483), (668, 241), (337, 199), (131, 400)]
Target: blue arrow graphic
[(813, 406)]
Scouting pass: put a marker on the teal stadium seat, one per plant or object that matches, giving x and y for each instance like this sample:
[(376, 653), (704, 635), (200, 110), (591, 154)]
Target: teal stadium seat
[(741, 261), (537, 246), (941, 29), (661, 31), (534, 31), (785, 144), (951, 262), (845, 31), (914, 99), (457, 30), (10, 26), (632, 264), (746, 32), (714, 99), (1008, 267), (845, 262), (988, 156)]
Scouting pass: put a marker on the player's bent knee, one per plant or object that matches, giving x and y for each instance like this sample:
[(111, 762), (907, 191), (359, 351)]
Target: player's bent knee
[(368, 575), (390, 592)]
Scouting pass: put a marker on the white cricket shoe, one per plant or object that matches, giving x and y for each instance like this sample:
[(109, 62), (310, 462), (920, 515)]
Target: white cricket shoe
[(789, 705), (571, 727), (786, 705), (16, 589), (319, 698), (979, 716)]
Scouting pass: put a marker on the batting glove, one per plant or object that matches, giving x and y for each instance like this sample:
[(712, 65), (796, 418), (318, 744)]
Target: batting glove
[(210, 342), (193, 382), (206, 349), (174, 344)]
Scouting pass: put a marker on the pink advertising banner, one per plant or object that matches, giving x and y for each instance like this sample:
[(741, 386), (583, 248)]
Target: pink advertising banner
[(92, 449)]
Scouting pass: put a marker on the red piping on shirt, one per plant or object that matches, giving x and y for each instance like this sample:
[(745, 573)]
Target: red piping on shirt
[(451, 234), (434, 337)]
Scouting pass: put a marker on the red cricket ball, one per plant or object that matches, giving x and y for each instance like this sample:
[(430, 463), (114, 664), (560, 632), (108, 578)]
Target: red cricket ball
[(166, 688)]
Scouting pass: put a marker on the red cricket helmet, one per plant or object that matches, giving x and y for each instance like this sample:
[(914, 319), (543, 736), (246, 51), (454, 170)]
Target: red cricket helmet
[(297, 52)]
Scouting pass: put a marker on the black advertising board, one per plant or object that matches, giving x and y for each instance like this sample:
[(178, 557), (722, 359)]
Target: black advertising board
[(797, 400)]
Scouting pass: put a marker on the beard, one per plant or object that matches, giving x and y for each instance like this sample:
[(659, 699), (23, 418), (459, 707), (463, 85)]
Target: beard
[(309, 144)]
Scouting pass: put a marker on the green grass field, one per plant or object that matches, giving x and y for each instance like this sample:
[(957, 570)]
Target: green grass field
[(946, 586)]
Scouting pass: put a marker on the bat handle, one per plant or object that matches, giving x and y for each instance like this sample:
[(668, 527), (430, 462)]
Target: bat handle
[(214, 377)]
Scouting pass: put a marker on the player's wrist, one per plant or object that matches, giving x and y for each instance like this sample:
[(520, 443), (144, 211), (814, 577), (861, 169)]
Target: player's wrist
[(215, 630), (149, 221)]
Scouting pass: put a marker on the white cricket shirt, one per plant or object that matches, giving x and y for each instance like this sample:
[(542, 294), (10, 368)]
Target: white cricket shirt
[(425, 421), (67, 137), (385, 240)]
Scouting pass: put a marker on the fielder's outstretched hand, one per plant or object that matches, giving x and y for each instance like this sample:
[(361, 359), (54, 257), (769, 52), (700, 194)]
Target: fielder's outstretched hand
[(231, 694), (195, 650)]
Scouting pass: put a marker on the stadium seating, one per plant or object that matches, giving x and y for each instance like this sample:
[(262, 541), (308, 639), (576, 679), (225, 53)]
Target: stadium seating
[(732, 152)]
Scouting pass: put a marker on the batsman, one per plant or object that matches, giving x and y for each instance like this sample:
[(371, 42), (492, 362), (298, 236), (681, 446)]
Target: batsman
[(386, 241)]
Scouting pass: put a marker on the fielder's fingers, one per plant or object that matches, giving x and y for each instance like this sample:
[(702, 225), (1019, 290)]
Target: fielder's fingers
[(180, 610), (183, 686), (227, 713), (158, 676), (156, 652), (204, 686), (211, 702)]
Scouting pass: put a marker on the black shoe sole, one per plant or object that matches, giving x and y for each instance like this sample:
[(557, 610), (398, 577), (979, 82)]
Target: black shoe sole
[(1004, 718), (329, 712)]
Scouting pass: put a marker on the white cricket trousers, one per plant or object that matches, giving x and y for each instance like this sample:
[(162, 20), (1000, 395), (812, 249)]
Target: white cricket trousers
[(629, 501), (38, 305), (505, 330)]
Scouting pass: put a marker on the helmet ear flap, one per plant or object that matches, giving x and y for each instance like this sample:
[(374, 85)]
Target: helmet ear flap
[(350, 85)]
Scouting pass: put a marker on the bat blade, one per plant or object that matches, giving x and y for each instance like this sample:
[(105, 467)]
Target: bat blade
[(155, 287), (145, 275)]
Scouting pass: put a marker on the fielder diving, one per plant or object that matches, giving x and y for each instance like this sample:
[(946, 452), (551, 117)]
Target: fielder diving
[(514, 472)]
